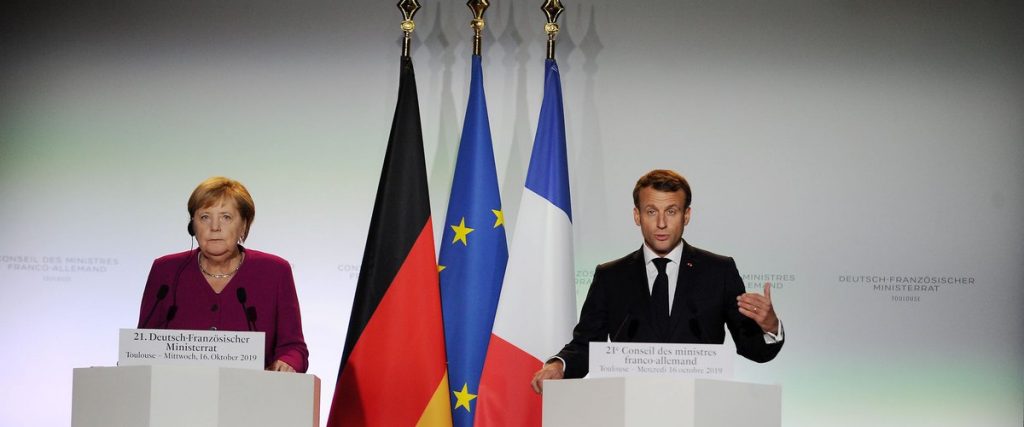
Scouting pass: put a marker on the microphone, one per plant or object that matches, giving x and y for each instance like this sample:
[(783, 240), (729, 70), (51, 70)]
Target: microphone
[(628, 325), (694, 322), (695, 328), (160, 295), (250, 312), (250, 316), (173, 309)]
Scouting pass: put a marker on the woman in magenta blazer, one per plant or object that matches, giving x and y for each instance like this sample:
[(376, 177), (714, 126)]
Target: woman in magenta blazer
[(224, 286)]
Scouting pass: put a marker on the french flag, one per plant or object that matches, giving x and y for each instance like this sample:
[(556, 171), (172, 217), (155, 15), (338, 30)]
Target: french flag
[(537, 306)]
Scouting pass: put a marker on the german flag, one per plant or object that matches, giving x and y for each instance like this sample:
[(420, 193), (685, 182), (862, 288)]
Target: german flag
[(393, 366)]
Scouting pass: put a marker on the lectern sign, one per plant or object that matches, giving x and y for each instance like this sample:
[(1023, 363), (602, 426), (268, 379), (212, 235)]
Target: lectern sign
[(228, 349), (619, 359)]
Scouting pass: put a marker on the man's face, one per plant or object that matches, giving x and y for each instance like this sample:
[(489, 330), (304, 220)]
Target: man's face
[(661, 216)]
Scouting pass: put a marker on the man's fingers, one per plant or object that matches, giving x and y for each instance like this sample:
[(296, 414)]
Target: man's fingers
[(538, 382), (551, 371), (757, 315), (768, 291), (752, 302)]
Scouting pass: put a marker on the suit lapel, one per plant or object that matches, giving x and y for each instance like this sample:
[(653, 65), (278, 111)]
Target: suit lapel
[(641, 293)]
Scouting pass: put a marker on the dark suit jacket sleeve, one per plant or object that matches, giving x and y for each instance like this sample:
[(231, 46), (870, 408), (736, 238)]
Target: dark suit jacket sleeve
[(591, 327), (746, 334)]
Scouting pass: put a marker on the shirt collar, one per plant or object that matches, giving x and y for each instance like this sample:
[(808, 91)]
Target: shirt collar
[(676, 255)]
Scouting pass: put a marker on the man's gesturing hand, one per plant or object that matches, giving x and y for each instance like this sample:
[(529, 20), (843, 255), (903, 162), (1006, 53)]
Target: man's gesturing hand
[(759, 308), (552, 370)]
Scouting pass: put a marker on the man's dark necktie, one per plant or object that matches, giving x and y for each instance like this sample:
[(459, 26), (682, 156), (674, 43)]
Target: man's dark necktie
[(659, 299)]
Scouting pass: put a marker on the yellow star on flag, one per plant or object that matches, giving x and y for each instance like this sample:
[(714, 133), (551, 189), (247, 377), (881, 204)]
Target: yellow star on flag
[(461, 231), (499, 218), (440, 268), (463, 397)]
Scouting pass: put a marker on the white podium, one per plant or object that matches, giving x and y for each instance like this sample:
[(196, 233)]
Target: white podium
[(654, 401), (195, 396)]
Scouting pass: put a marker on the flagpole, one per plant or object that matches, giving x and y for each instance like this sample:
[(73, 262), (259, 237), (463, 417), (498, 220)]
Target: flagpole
[(395, 340), (552, 9), (478, 7), (409, 9), (536, 310)]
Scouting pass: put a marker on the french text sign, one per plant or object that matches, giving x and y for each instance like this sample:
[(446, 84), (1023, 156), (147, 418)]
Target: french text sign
[(621, 359)]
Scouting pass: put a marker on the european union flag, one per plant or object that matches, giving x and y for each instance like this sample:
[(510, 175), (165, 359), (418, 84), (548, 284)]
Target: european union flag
[(474, 252)]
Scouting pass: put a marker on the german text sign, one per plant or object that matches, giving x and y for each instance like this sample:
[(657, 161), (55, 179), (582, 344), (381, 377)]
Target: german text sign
[(619, 359), (228, 349)]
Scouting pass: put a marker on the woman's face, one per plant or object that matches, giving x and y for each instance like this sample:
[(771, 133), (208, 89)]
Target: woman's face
[(219, 228)]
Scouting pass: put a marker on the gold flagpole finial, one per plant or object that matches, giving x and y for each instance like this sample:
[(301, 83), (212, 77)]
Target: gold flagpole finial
[(552, 9), (478, 7), (408, 8)]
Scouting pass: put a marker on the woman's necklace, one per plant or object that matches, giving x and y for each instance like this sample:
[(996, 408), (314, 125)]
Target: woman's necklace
[(220, 276)]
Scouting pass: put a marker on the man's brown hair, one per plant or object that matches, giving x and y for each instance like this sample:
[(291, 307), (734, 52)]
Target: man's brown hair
[(662, 180)]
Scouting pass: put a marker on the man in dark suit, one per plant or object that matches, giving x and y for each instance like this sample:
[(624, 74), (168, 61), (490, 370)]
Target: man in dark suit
[(629, 298)]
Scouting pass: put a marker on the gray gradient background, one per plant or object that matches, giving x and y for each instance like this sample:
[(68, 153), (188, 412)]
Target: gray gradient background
[(823, 139)]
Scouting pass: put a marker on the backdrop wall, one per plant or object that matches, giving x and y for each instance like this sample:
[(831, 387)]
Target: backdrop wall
[(838, 150)]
